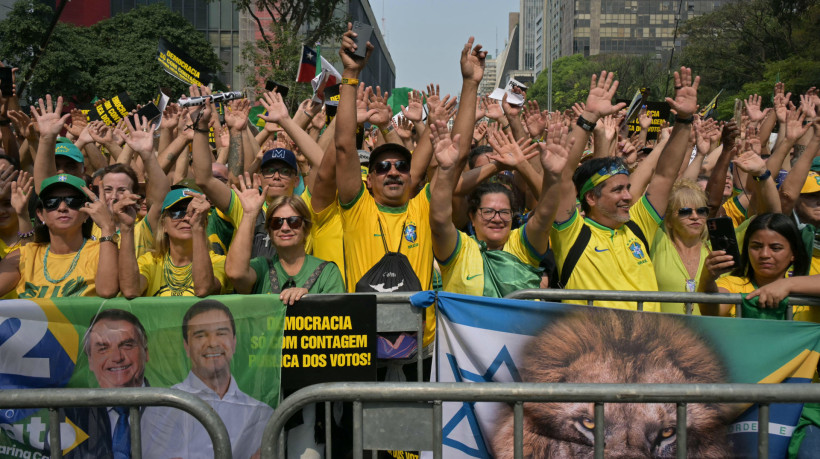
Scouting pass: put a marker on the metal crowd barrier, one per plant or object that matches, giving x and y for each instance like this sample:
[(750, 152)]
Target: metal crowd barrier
[(433, 394), (131, 397), (686, 298)]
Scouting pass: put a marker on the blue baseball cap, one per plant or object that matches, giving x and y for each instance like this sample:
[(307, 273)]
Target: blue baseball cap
[(281, 154), (177, 195)]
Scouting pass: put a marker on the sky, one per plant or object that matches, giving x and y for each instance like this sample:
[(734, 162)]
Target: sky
[(425, 37)]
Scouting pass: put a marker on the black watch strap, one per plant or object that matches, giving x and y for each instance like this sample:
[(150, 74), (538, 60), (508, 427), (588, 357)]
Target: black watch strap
[(584, 124)]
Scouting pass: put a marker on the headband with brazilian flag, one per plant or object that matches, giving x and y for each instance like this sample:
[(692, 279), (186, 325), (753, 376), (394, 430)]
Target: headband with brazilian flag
[(603, 175)]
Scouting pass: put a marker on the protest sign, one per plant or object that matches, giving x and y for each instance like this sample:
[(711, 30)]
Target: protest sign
[(659, 111), (113, 110), (41, 341), (180, 65), (327, 339), (497, 340)]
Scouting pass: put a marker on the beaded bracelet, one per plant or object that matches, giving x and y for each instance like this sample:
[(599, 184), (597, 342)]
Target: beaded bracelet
[(25, 235)]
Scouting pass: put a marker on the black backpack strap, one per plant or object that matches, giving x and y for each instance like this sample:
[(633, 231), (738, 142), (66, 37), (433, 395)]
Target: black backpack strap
[(574, 254), (274, 278), (316, 273), (638, 232)]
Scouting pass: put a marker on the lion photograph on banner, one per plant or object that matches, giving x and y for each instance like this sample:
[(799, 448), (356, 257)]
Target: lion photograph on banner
[(602, 347)]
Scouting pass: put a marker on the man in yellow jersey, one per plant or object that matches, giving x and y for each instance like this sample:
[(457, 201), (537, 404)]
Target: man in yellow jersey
[(607, 248)]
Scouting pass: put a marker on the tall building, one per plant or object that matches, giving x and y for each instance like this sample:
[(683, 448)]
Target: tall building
[(488, 82), (228, 31), (529, 10)]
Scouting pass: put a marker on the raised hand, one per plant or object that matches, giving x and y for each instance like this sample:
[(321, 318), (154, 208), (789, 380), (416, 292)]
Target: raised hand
[(509, 109), (22, 123), (98, 211), (275, 108), (644, 119), (236, 116), (685, 102), (125, 209), (750, 161), (443, 111), (753, 108), (78, 123), (472, 61), (480, 108), (601, 91), (493, 108), (508, 152), (380, 112), (248, 193), (555, 151), (794, 125), (404, 128), (49, 120), (414, 110), (170, 116), (21, 192), (349, 60), (808, 106), (198, 210), (445, 148), (479, 131), (140, 135), (534, 119), (7, 175)]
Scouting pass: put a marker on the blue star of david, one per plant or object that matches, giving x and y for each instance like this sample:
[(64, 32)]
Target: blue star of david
[(467, 410)]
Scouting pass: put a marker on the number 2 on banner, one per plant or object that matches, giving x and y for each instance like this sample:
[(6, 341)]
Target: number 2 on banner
[(33, 328)]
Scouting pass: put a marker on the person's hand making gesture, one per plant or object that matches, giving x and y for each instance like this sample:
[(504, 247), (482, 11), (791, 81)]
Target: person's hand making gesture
[(685, 102), (602, 89), (350, 61), (50, 121), (248, 193), (555, 149), (472, 61)]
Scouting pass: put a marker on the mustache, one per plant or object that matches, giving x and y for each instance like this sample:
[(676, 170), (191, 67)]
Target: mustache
[(393, 181)]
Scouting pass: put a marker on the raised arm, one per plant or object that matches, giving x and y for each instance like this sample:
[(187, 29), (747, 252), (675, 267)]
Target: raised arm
[(50, 123), (348, 173), (717, 180), (107, 280), (141, 139), (237, 264), (685, 105), (445, 235), (277, 112), (761, 181), (472, 71), (237, 121), (554, 154), (791, 186), (202, 269), (132, 283), (599, 104), (216, 191)]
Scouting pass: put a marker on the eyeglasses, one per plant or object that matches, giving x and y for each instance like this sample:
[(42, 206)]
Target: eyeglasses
[(73, 202), (177, 214), (294, 222), (488, 213), (286, 172), (383, 167), (684, 212)]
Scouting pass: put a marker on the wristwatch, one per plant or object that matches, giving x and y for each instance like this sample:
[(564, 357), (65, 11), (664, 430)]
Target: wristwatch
[(763, 176), (115, 238), (585, 125)]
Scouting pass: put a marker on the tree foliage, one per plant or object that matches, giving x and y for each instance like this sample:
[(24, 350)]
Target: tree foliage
[(746, 47), (571, 74), (276, 55), (114, 55)]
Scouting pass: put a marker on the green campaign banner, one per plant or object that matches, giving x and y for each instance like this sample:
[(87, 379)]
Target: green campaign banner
[(225, 349)]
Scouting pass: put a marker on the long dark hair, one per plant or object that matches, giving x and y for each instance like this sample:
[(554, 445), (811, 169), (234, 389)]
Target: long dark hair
[(782, 225)]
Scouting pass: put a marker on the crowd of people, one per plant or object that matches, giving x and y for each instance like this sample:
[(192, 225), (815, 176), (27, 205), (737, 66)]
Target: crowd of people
[(481, 198)]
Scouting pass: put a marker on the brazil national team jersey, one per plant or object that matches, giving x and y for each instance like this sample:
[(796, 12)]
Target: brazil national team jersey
[(463, 271), (325, 241), (155, 271), (614, 259), (406, 229)]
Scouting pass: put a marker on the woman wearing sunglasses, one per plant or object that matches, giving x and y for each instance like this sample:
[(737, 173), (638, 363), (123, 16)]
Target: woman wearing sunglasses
[(290, 273), (181, 263), (63, 260), (680, 248)]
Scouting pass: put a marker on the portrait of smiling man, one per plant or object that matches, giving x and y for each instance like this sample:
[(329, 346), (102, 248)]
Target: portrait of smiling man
[(209, 339), (117, 348)]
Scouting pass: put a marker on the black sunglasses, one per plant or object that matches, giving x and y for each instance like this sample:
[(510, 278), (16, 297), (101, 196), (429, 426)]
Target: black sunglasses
[(294, 222), (285, 172), (73, 202), (177, 214), (383, 167), (687, 211)]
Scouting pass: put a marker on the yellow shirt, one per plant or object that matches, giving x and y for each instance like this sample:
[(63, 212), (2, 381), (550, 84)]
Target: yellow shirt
[(670, 272), (79, 281), (614, 259), (153, 268), (4, 251), (734, 284), (363, 240), (735, 210), (236, 212), (325, 241), (463, 271)]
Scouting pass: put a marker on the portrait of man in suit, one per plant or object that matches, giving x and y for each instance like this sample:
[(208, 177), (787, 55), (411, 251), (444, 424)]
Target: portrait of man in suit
[(117, 349)]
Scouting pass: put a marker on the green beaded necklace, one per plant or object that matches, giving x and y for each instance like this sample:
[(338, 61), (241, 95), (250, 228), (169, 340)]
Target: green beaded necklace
[(169, 269), (70, 268)]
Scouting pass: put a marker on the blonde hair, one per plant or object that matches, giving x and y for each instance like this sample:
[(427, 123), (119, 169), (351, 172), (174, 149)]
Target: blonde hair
[(685, 193), (161, 242), (297, 204)]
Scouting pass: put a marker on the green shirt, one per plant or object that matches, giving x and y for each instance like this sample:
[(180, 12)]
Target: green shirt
[(329, 281)]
